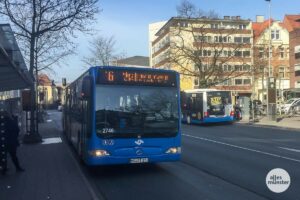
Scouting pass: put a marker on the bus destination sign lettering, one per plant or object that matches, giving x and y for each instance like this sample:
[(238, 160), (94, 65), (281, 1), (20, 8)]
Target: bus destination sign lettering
[(136, 77)]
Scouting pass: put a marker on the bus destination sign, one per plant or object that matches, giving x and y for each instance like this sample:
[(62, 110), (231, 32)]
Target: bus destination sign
[(136, 77)]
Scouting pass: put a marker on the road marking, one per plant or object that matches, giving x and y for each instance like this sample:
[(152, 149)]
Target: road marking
[(290, 149), (49, 120), (244, 148)]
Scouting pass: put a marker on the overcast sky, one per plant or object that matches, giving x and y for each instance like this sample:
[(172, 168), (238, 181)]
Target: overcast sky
[(128, 20)]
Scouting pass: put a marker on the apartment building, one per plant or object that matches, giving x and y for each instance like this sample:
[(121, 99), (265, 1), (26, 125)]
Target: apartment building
[(292, 23), (220, 48), (153, 28), (271, 35)]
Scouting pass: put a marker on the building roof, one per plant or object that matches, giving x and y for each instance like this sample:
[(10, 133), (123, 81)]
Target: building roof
[(134, 61), (236, 19), (44, 80), (292, 22), (13, 71), (260, 27)]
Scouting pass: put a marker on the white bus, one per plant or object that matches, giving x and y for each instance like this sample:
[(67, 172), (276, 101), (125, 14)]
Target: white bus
[(201, 106)]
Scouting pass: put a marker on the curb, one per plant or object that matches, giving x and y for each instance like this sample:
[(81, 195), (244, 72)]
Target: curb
[(268, 126)]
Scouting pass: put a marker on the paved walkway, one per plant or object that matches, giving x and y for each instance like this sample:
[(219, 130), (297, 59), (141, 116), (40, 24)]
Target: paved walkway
[(286, 123), (51, 171)]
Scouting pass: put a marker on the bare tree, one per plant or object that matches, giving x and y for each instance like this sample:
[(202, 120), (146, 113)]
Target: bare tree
[(102, 52), (45, 28), (189, 10)]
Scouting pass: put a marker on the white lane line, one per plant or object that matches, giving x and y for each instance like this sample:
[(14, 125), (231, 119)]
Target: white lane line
[(290, 149), (244, 148)]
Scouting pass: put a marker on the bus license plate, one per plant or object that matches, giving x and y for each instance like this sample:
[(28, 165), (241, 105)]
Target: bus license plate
[(139, 160)]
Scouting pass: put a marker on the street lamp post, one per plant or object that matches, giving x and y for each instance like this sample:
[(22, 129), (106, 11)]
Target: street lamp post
[(271, 83)]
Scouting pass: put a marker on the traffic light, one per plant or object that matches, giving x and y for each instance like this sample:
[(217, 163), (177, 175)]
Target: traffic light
[(64, 81), (272, 83)]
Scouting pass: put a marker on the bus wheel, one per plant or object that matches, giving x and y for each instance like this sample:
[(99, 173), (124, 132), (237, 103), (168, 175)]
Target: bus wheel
[(188, 119)]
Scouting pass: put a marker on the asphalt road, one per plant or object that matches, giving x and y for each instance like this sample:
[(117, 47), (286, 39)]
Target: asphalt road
[(218, 162)]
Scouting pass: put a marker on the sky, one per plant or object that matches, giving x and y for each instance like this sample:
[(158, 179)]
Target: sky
[(128, 20)]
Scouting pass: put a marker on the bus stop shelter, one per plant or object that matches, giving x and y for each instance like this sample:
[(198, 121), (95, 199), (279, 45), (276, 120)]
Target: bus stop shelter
[(14, 74)]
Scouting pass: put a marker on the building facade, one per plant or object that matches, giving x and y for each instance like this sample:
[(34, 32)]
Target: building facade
[(292, 22), (271, 35), (48, 95), (220, 48)]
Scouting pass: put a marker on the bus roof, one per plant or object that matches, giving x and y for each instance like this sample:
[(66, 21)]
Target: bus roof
[(204, 90), (133, 68), (199, 90), (94, 68)]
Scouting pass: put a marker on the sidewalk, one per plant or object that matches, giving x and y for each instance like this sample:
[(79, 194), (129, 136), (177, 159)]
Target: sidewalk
[(50, 171), (292, 123)]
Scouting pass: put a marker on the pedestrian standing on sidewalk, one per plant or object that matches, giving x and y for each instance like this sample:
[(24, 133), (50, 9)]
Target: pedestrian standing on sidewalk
[(12, 133), (3, 145)]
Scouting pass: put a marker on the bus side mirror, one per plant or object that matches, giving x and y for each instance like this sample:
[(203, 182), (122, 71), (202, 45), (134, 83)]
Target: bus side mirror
[(86, 89)]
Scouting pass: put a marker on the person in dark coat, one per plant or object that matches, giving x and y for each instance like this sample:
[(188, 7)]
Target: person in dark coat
[(12, 133)]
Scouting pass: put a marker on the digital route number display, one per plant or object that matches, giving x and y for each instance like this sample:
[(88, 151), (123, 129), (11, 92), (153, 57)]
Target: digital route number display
[(136, 77)]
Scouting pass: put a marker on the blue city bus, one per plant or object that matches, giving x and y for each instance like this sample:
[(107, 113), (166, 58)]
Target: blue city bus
[(202, 106), (119, 115)]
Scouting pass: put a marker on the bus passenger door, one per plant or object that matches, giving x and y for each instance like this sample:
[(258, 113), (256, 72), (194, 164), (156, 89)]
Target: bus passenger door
[(197, 106)]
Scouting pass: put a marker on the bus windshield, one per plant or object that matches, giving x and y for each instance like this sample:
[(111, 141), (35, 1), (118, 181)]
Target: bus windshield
[(133, 111), (217, 101)]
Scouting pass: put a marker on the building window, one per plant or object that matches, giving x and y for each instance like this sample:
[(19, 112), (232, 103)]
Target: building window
[(281, 72), (238, 81), (238, 53), (183, 24), (246, 39), (196, 81), (261, 53), (238, 68), (246, 53), (238, 39), (225, 53), (281, 52), (247, 81), (246, 68), (297, 55), (229, 39), (225, 68), (227, 82), (269, 53), (214, 26), (242, 26), (275, 34), (297, 70)]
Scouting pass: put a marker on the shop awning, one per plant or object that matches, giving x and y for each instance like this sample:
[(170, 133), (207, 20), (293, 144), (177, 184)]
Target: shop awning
[(13, 71)]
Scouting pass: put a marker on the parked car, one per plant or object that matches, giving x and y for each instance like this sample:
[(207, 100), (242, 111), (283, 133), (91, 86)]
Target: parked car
[(288, 106), (296, 107)]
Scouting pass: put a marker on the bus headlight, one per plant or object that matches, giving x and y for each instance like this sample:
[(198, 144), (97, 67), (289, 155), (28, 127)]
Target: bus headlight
[(98, 153), (174, 150)]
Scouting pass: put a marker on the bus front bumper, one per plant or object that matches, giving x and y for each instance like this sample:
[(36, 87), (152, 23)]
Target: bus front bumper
[(112, 160)]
